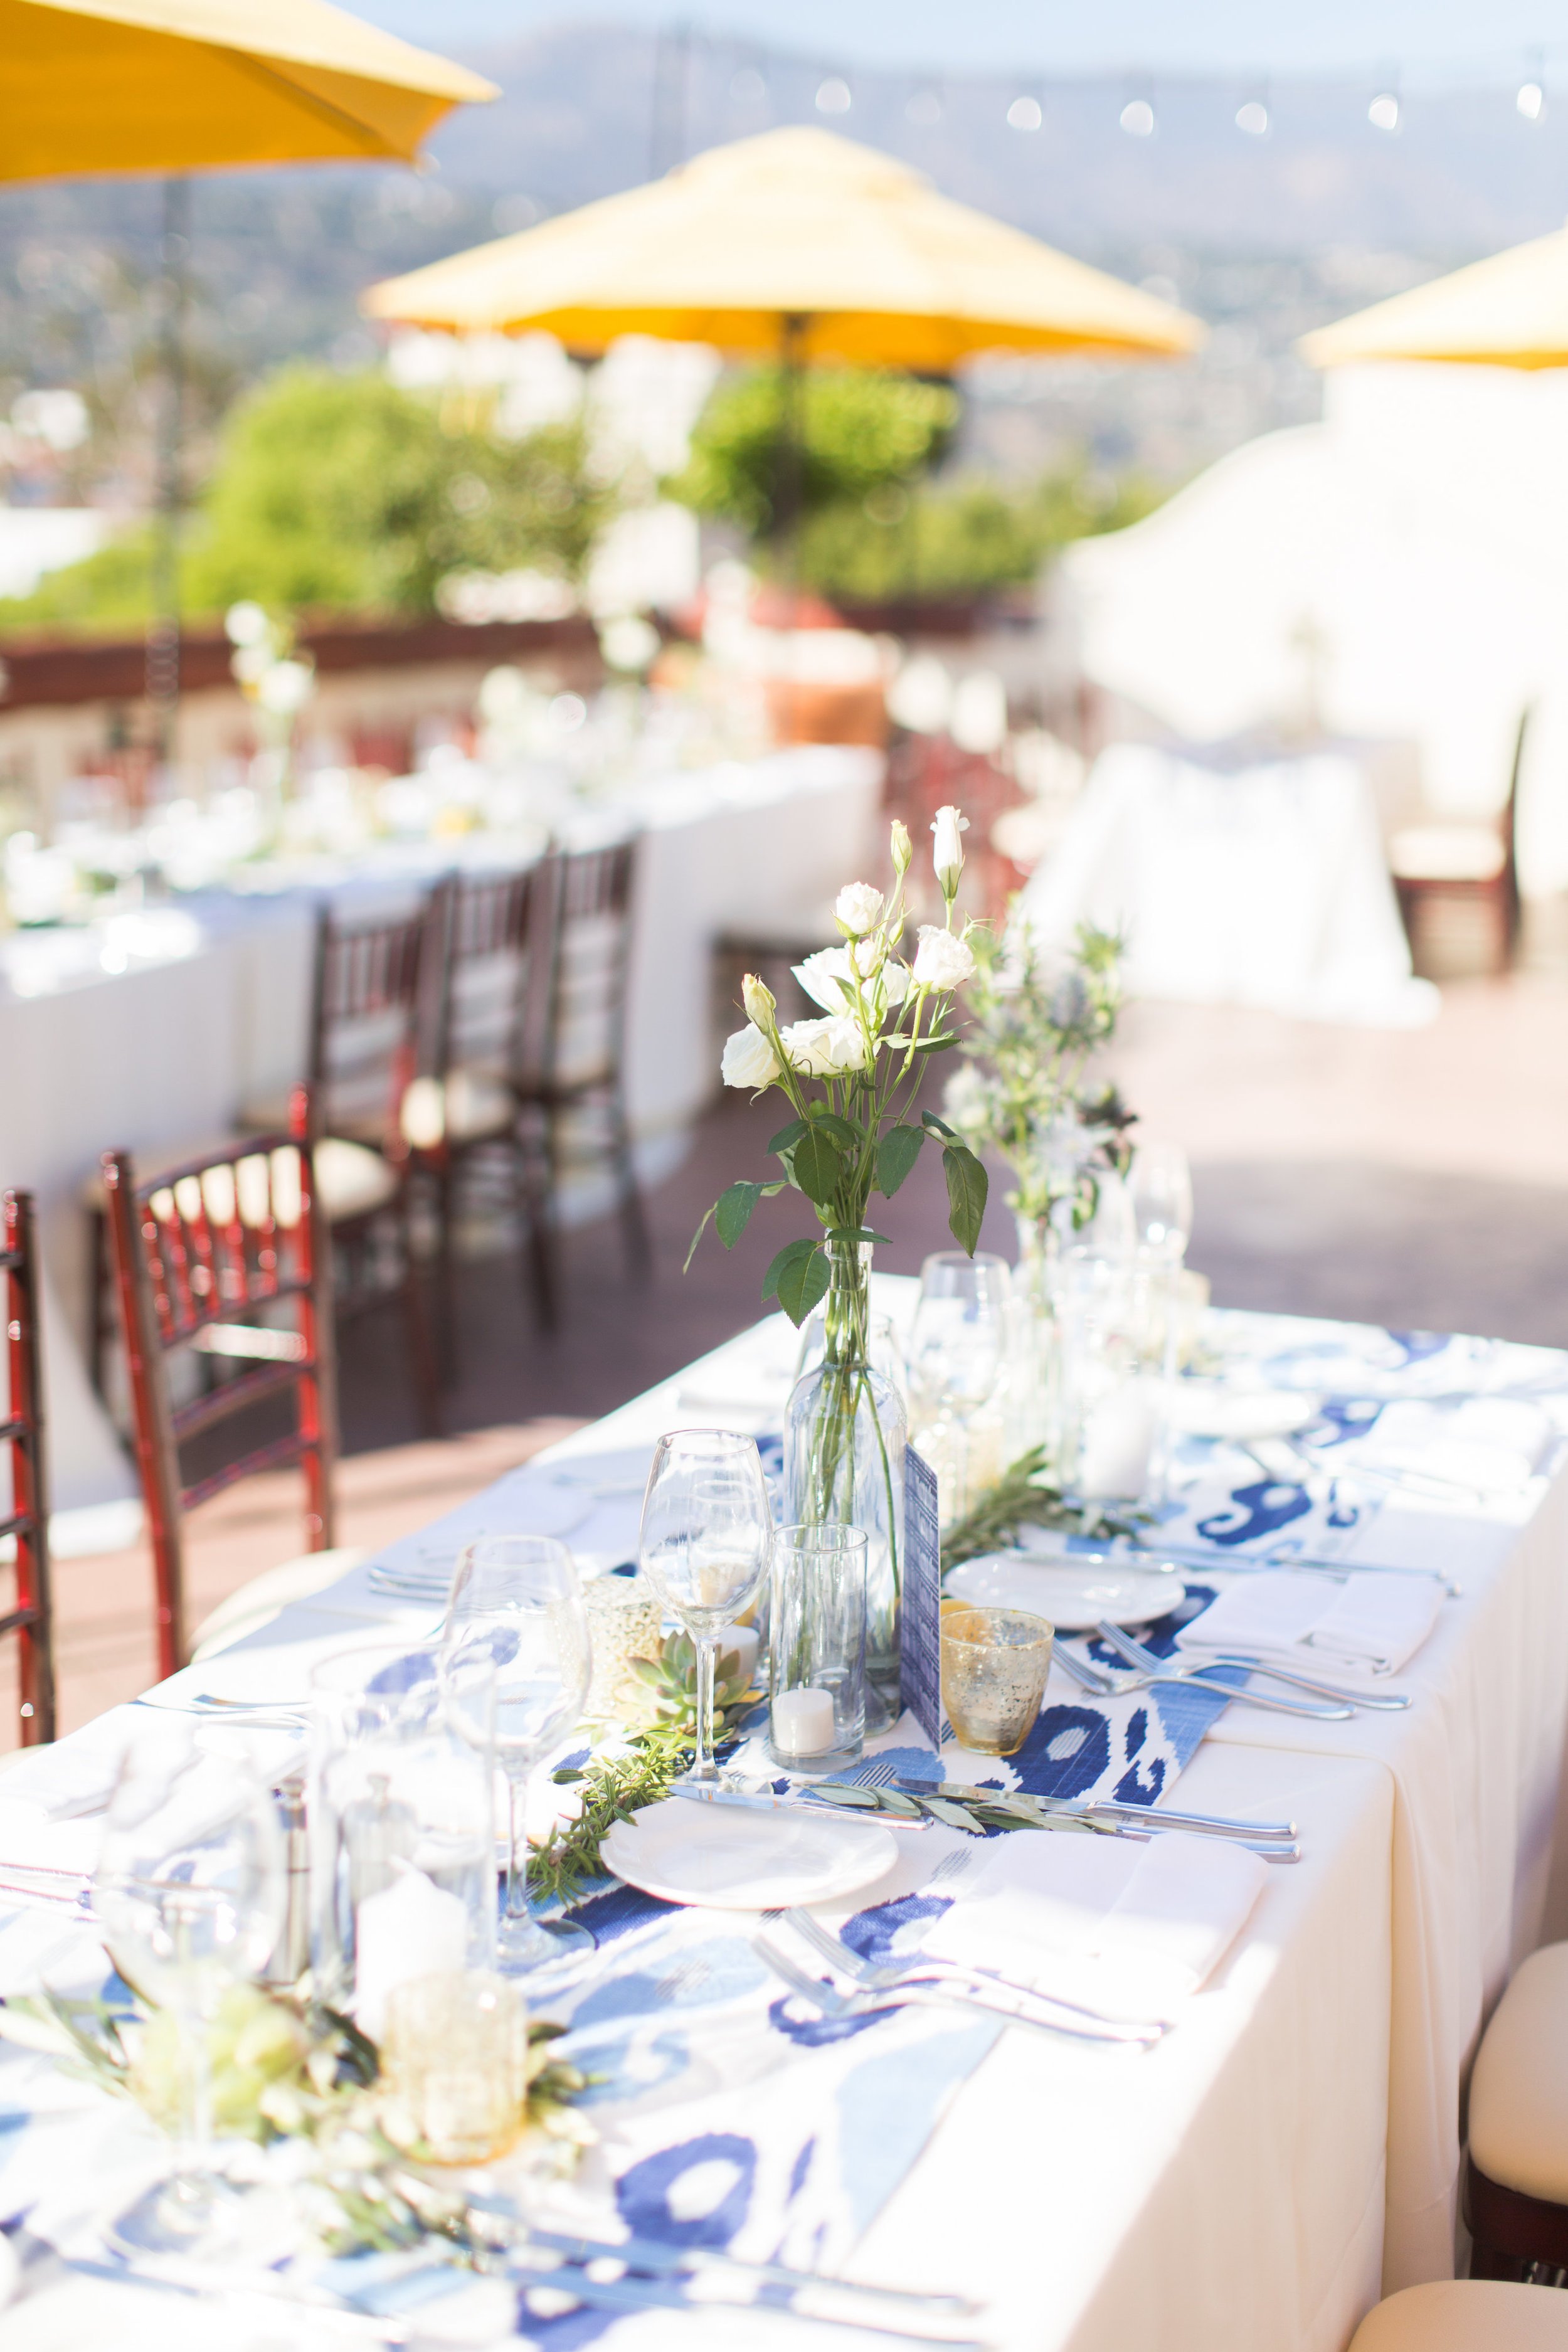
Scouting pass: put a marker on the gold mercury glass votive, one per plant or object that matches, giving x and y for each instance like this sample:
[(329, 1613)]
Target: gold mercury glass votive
[(994, 1663), (625, 1621), (453, 2060)]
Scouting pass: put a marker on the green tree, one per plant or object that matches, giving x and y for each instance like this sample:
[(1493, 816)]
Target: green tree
[(862, 431), (347, 494)]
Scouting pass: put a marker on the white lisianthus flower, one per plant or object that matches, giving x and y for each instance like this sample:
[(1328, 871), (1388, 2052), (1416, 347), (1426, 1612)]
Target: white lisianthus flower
[(941, 960), (759, 1001), (902, 847), (828, 976), (947, 851), (824, 1049), (857, 907), (749, 1059)]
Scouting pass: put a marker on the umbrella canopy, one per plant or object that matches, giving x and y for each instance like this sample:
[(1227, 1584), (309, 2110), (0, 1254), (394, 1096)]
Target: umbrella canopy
[(98, 86), (794, 225), (1509, 311)]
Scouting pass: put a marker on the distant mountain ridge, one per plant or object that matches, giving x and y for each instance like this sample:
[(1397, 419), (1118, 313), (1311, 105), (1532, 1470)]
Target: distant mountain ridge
[(589, 109)]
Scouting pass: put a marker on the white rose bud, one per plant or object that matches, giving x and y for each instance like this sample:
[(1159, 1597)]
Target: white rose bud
[(941, 960), (857, 907), (947, 853), (760, 1002), (749, 1059), (902, 847)]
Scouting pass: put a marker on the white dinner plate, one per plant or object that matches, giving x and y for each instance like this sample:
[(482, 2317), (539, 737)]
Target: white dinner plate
[(739, 1860), (1070, 1596), (1200, 1408)]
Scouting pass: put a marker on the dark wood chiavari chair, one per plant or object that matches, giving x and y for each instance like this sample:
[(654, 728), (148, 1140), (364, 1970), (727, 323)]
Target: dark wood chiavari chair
[(203, 1255), (1443, 859), (26, 1523), (569, 1087), (490, 941)]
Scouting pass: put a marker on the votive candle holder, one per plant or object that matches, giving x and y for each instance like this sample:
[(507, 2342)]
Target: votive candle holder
[(816, 1648), (994, 1666)]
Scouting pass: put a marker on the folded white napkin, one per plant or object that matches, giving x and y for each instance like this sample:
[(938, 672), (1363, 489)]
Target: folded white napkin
[(1490, 1444), (1284, 1615), (1111, 1921)]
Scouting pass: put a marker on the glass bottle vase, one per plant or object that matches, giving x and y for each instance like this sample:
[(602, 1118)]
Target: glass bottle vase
[(845, 1432)]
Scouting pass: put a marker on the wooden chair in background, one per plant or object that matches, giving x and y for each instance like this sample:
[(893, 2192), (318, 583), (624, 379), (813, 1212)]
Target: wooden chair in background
[(27, 1521), (204, 1258), (1459, 860)]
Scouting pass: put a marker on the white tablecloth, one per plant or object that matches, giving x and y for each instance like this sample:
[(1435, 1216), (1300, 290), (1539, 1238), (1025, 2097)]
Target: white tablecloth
[(164, 1054), (1262, 886)]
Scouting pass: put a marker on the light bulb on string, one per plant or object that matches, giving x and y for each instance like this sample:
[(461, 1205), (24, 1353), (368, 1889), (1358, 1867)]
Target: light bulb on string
[(833, 97), (1384, 114), (1137, 119), (1531, 97), (1025, 114), (1252, 116)]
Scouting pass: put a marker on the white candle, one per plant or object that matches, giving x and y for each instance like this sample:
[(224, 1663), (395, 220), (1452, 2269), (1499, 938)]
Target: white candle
[(1118, 1440), (740, 1641), (412, 1929), (803, 1722)]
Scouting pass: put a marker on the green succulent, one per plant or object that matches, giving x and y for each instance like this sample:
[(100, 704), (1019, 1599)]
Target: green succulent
[(672, 1679)]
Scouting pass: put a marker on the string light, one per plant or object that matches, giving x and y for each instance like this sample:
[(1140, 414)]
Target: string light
[(1530, 99), (1383, 112), (1138, 119), (833, 95), (1025, 114), (1252, 116)]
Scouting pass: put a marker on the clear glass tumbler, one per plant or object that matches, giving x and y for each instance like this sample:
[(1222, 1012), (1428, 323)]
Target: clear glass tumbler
[(817, 1651)]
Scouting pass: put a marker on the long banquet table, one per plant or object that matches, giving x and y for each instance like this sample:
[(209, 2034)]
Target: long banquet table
[(1285, 2155), (151, 1034)]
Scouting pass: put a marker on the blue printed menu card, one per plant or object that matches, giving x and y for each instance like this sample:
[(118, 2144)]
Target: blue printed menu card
[(920, 1610)]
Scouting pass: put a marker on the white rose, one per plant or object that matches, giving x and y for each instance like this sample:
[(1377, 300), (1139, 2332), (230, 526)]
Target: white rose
[(947, 851), (942, 961), (857, 907), (828, 976), (749, 1059), (822, 1049)]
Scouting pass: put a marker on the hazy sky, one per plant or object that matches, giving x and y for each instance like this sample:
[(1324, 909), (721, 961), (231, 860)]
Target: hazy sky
[(1443, 40)]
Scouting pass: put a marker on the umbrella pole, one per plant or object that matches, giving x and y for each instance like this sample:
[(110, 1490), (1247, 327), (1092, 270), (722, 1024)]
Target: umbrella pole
[(790, 459), (163, 634)]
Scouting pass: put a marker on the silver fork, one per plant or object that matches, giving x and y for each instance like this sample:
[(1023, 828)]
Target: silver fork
[(830, 2001), (1102, 1683), (1140, 1655), (881, 1977)]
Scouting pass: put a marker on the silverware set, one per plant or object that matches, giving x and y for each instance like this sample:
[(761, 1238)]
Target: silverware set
[(1102, 1682), (1345, 1699)]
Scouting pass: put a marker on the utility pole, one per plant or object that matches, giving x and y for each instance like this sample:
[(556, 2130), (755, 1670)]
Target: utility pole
[(164, 631), (671, 80)]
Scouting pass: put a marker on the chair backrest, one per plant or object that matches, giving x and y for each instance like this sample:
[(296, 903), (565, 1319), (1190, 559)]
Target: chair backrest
[(202, 1259), (364, 1021), (590, 957), (22, 1434), (491, 937), (1510, 819)]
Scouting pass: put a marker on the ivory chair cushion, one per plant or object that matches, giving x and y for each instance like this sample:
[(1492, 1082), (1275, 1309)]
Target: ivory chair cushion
[(1519, 2092), (1467, 2316), (1446, 852), (468, 1106), (267, 1596)]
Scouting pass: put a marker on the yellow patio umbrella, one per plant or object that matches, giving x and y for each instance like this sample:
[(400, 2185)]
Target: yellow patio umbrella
[(1509, 311), (102, 85), (797, 238)]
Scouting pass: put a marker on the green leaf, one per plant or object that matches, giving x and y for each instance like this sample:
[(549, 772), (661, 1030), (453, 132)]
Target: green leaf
[(819, 1166), (967, 1184), (565, 1774), (934, 1126), (696, 1237), (829, 1123), (781, 1264), (733, 1212), (942, 1809), (896, 1155), (856, 1233), (801, 1284), (937, 1044), (788, 1135), (849, 1792)]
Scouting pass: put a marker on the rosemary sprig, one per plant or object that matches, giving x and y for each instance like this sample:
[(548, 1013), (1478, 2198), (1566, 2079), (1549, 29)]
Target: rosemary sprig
[(1024, 1497)]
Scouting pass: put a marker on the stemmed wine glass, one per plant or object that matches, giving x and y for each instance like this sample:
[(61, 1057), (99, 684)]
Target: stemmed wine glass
[(1161, 1188), (190, 1889), (707, 1538), (517, 1607), (957, 1339)]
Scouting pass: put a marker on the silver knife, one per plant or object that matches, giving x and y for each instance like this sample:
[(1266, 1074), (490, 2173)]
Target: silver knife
[(1215, 1825)]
